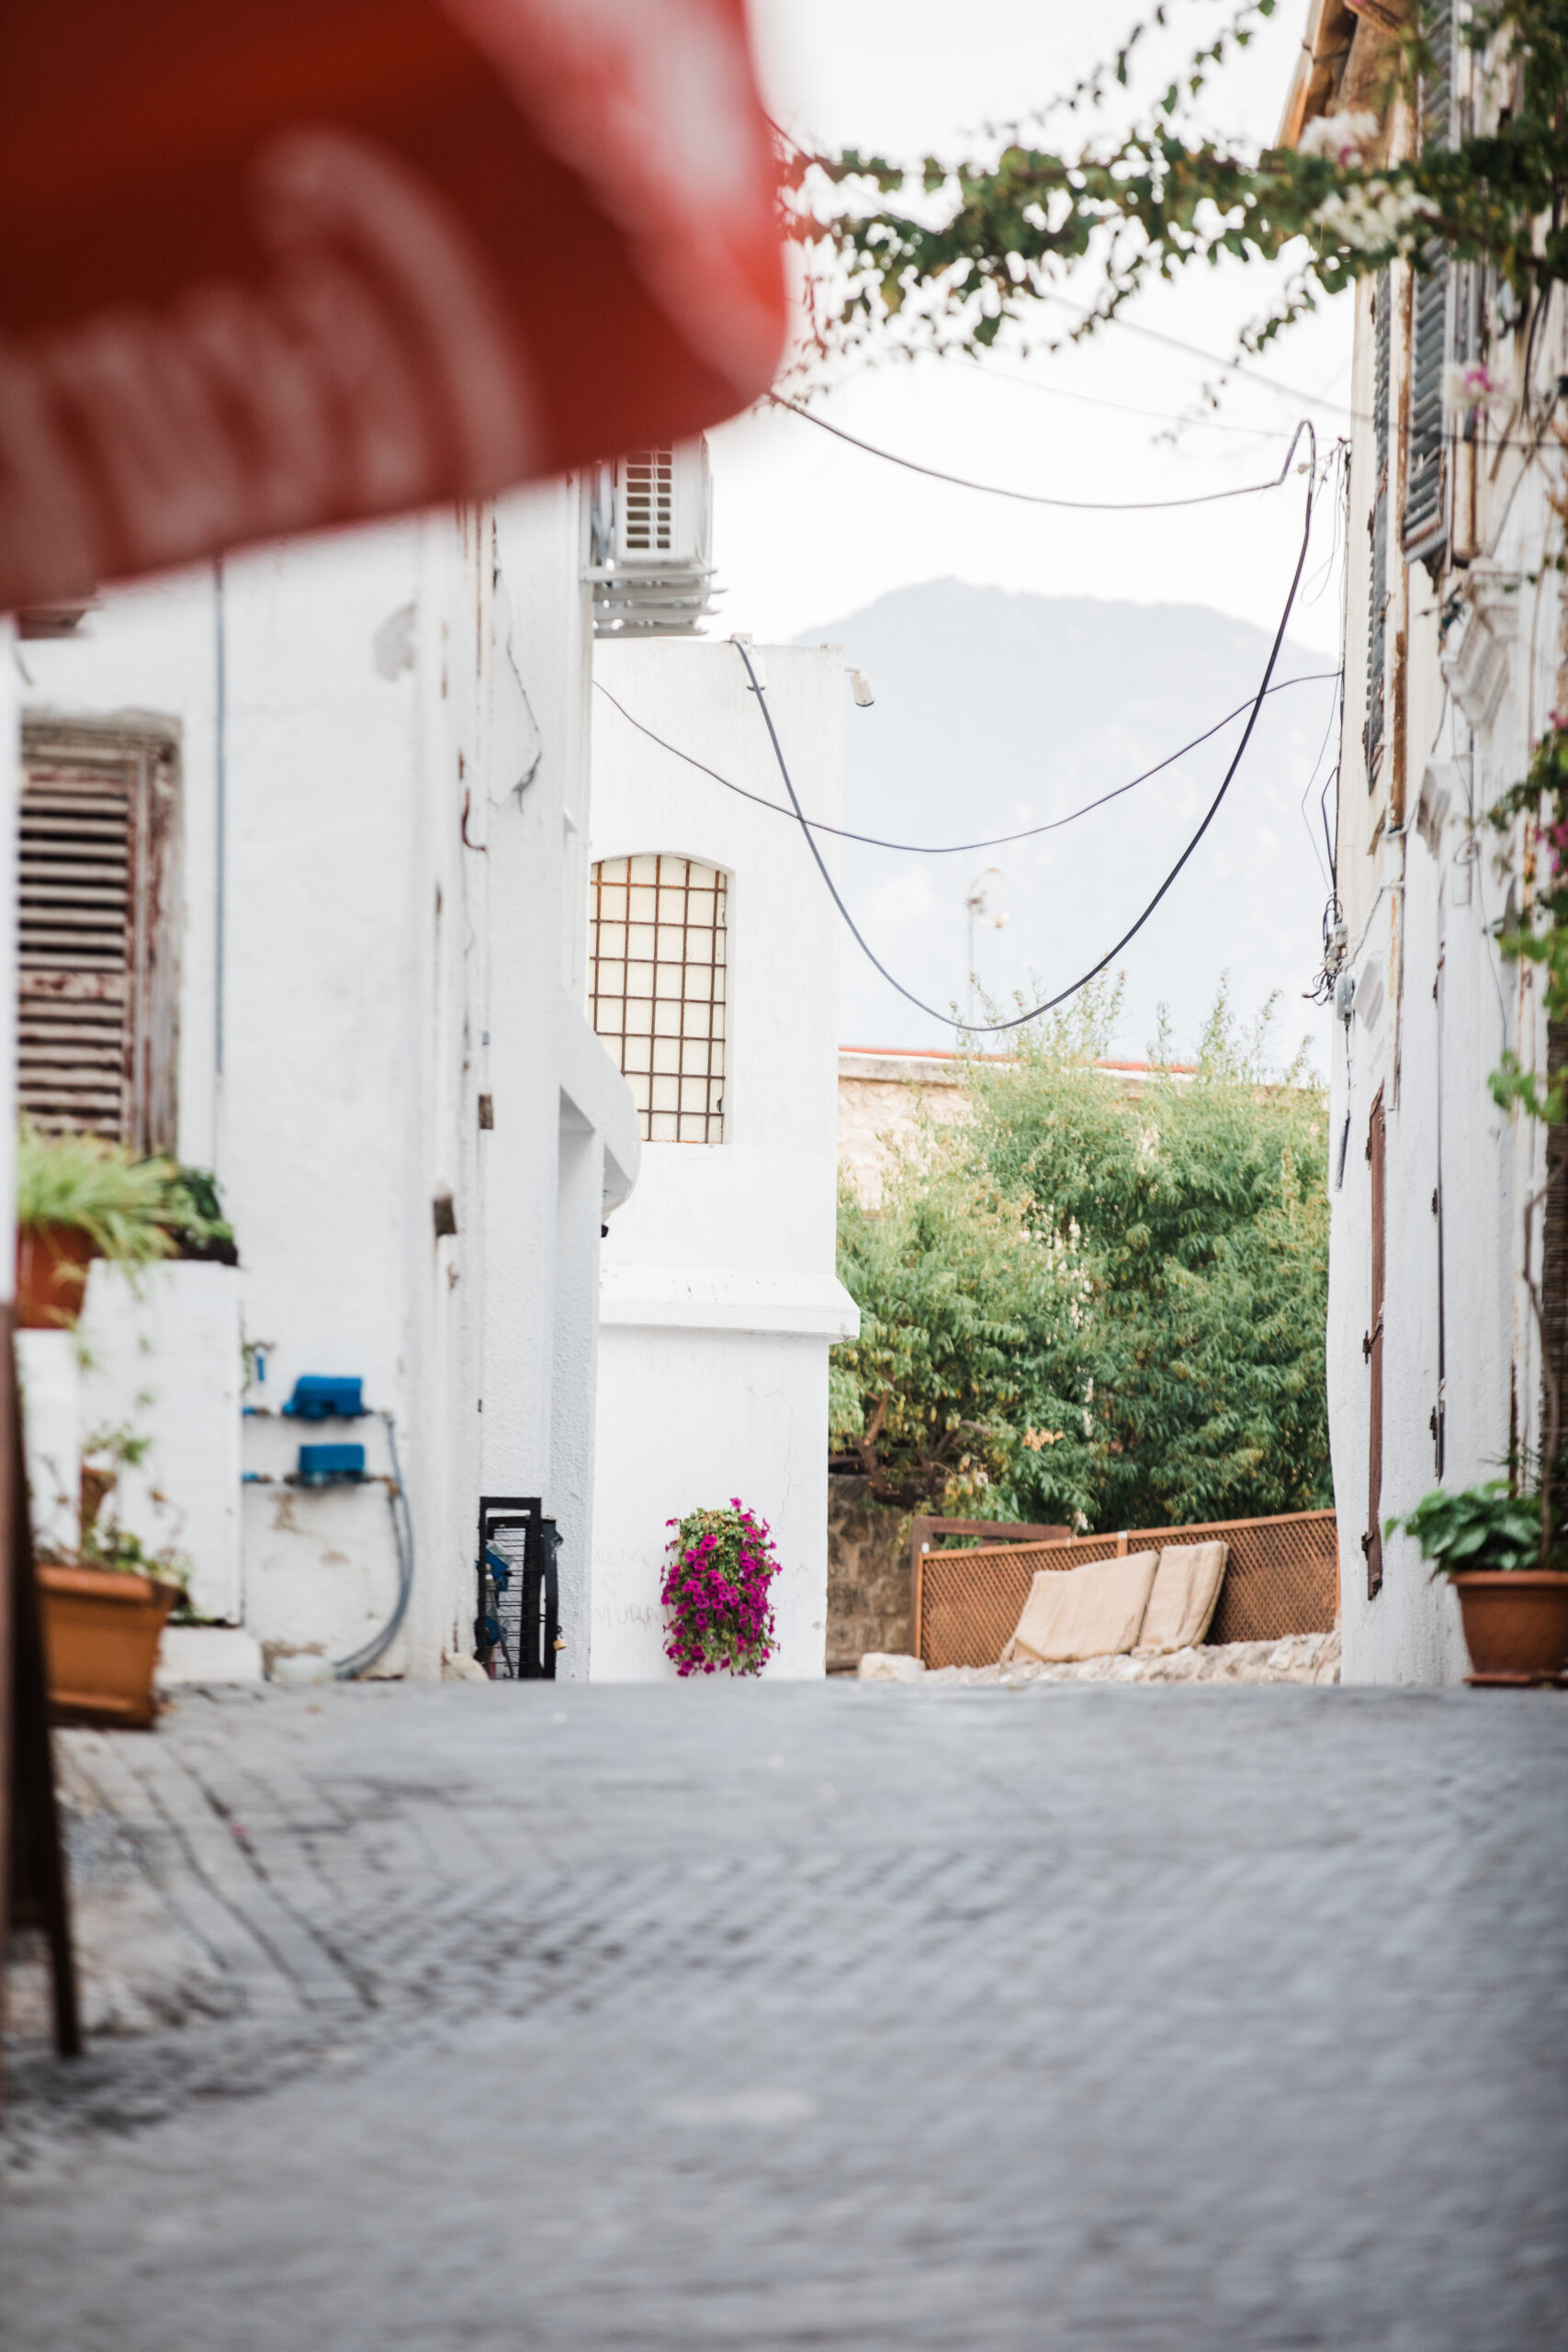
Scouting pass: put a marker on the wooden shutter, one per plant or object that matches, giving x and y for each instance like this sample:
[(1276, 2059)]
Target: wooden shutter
[(1424, 525), (1377, 526), (96, 1010), (1372, 1349)]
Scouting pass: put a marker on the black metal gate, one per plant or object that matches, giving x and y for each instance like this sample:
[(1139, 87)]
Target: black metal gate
[(517, 1630)]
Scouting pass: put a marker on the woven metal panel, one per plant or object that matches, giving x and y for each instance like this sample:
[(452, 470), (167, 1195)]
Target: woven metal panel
[(1282, 1576)]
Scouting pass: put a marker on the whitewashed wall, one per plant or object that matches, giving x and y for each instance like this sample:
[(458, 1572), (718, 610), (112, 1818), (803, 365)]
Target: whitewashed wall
[(1436, 1006), (718, 1300), (401, 748)]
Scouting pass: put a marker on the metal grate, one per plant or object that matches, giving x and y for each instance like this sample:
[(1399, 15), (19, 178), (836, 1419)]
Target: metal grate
[(658, 989), (75, 948), (517, 1628), (648, 495), (1282, 1576)]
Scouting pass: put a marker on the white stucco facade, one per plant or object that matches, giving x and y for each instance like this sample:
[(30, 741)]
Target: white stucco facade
[(381, 770), (1472, 666), (718, 1298)]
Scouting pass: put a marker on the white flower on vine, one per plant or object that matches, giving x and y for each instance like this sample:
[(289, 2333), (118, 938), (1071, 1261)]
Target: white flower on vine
[(1374, 217), (1343, 137), (1465, 390)]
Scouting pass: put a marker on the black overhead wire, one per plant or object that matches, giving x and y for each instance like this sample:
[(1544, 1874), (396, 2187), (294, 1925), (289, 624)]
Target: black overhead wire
[(975, 1028), (958, 849), (1034, 497)]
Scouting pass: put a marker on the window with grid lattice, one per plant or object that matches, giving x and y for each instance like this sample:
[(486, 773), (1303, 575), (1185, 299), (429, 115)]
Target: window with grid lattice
[(658, 989)]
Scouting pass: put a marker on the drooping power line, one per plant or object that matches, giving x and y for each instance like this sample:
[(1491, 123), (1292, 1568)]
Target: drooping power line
[(1033, 497), (957, 849), (1033, 1013)]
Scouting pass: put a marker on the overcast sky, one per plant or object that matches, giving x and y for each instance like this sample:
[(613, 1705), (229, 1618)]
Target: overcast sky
[(805, 528)]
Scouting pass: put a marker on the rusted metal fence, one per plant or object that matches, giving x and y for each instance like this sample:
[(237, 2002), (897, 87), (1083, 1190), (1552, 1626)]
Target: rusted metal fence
[(1282, 1576)]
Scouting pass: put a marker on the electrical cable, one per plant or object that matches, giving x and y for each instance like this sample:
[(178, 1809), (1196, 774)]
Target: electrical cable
[(959, 849), (990, 373), (1033, 497), (976, 1028), (346, 1669)]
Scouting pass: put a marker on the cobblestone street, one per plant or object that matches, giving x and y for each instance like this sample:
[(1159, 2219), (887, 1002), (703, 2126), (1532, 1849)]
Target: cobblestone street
[(1176, 2020)]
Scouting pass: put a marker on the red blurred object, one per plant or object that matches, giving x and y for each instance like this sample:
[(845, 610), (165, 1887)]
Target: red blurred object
[(279, 263)]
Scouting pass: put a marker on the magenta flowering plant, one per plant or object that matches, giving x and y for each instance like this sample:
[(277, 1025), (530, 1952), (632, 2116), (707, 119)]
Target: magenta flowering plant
[(717, 1619)]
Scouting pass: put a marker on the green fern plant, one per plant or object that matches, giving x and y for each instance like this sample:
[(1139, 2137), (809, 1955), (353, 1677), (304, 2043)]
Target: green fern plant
[(123, 1204)]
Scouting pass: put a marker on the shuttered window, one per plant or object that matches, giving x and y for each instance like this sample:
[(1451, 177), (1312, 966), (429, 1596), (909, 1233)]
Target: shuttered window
[(95, 1005), (1424, 532), (1373, 1346), (1377, 526), (1424, 525)]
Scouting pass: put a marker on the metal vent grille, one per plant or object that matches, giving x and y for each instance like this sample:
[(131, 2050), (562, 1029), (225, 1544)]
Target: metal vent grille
[(658, 942), (77, 947), (647, 492)]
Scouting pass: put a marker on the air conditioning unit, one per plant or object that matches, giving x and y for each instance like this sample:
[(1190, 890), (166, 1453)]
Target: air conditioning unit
[(651, 542)]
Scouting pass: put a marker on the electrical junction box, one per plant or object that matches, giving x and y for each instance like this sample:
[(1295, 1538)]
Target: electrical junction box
[(330, 1465), (318, 1397)]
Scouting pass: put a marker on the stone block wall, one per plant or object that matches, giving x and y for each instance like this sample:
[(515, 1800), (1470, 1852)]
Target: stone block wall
[(868, 1574)]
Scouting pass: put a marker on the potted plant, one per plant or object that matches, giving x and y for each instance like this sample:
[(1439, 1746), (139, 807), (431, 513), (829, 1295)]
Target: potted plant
[(79, 1198), (1513, 1607), (195, 1219), (104, 1605), (718, 1620)]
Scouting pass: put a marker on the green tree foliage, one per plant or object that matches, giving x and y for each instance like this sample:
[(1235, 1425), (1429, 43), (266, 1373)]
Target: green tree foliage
[(1082, 1304), (933, 252)]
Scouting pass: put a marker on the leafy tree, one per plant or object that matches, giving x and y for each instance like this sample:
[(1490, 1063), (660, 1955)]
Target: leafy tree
[(964, 1317), (1090, 1304), (931, 252)]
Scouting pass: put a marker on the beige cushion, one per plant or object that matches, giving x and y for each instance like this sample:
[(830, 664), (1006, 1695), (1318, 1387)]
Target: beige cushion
[(1093, 1612), (1186, 1589)]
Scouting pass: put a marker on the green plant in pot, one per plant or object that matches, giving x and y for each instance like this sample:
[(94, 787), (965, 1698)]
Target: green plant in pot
[(1490, 1542), (79, 1198), (104, 1605)]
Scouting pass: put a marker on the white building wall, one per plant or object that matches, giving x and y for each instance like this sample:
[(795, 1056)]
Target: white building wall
[(718, 1300), (1436, 1005), (401, 743)]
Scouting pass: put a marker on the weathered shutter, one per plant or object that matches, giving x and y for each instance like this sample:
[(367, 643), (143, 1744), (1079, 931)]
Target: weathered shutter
[(96, 1012), (1425, 530), (1423, 526), (1377, 526), (1371, 1347)]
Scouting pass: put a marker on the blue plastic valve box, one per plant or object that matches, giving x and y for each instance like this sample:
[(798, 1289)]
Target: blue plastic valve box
[(330, 1465), (322, 1396)]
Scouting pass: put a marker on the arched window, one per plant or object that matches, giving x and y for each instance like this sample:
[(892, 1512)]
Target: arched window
[(657, 986)]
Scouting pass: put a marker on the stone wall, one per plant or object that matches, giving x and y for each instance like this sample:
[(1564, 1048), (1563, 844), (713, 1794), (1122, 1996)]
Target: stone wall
[(868, 1575)]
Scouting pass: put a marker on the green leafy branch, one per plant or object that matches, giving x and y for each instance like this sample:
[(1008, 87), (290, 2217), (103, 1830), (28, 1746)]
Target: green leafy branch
[(932, 253)]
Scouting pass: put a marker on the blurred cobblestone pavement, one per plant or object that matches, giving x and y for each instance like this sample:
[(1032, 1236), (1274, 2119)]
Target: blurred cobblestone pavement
[(1214, 2020)]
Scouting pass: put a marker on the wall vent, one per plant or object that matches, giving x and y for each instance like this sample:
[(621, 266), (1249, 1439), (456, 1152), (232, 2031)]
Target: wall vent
[(651, 542)]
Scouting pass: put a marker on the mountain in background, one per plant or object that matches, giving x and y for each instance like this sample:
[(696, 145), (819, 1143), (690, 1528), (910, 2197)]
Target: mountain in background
[(996, 711)]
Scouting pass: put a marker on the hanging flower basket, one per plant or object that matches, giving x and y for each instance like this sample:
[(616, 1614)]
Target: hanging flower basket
[(718, 1618)]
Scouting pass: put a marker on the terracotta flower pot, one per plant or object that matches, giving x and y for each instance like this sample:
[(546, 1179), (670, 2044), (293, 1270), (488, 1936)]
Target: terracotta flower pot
[(51, 1275), (1516, 1623), (100, 1635)]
